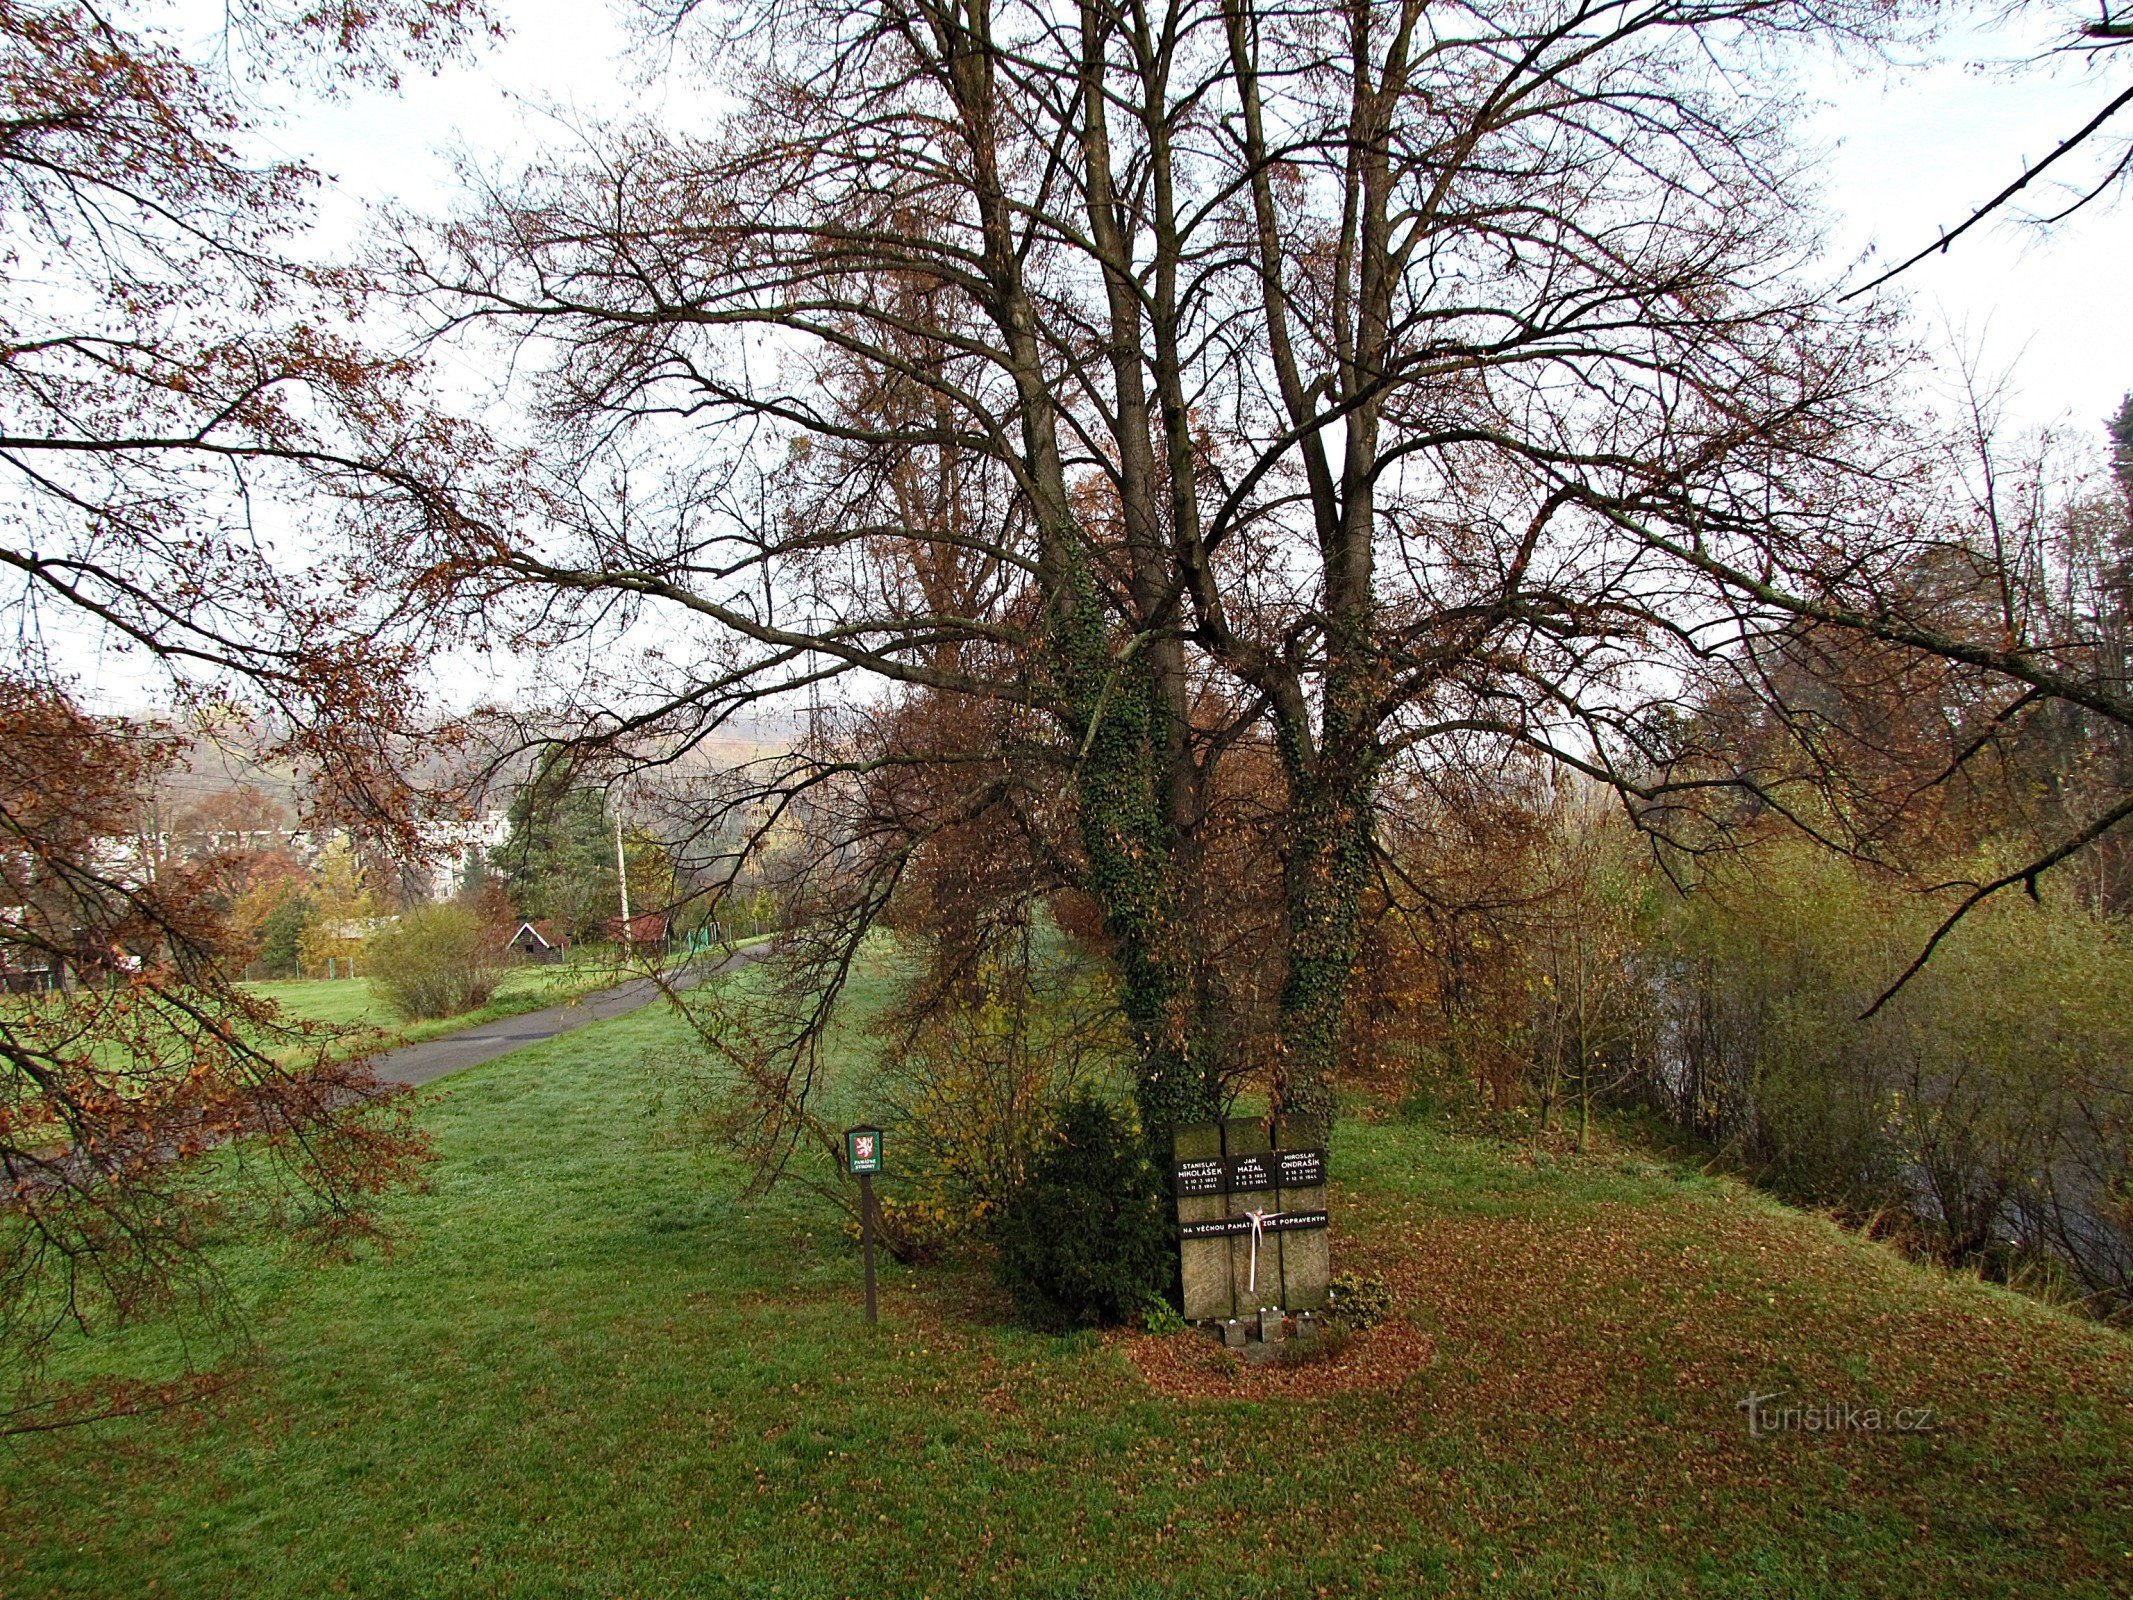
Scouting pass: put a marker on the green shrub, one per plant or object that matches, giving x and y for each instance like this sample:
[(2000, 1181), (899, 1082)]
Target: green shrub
[(1087, 1239), (974, 1059), (1982, 1115), (1159, 1316), (1355, 1301), (281, 934), (434, 961)]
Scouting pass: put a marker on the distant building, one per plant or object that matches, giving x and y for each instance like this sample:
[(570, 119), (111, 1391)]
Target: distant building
[(539, 941), (457, 846), (645, 931), (23, 970)]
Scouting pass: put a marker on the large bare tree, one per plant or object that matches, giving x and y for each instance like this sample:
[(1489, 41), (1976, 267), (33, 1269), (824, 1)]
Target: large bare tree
[(1150, 380)]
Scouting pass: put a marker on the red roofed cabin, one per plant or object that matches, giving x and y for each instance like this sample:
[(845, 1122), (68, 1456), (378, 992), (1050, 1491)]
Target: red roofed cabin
[(539, 941), (645, 931)]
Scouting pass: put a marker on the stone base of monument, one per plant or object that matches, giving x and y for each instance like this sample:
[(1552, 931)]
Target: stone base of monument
[(1266, 1333)]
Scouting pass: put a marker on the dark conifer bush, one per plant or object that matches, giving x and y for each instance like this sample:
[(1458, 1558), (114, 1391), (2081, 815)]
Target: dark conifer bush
[(1087, 1240)]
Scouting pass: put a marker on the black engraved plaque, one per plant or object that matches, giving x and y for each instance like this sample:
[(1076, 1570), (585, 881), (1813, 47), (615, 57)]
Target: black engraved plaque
[(1199, 1177), (1300, 1169)]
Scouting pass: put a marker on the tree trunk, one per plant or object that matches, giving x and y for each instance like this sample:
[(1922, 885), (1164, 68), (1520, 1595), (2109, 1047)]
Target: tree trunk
[(1324, 879), (1131, 845)]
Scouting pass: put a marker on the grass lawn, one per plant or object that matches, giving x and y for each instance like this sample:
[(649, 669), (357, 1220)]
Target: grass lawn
[(349, 1002), (590, 1369)]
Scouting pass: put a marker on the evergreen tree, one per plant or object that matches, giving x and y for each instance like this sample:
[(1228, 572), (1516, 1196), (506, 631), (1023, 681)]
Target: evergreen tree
[(281, 934), (558, 862), (2120, 429)]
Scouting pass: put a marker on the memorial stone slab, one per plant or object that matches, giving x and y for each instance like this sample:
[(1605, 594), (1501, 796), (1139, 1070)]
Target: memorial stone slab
[(1306, 1253), (1203, 1247), (1251, 1225), (1255, 1249)]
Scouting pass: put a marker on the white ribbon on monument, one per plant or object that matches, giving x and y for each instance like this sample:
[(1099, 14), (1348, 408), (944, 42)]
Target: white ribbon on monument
[(1259, 1220)]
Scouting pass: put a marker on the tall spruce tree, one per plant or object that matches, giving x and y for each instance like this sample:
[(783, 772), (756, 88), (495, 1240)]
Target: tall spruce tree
[(2119, 426), (558, 861)]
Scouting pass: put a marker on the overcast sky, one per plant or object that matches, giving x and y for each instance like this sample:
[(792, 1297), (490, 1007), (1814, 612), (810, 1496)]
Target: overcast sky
[(1915, 149), (1909, 149)]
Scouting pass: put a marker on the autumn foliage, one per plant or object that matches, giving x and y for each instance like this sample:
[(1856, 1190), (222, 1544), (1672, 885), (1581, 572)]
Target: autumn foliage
[(149, 1105), (211, 473)]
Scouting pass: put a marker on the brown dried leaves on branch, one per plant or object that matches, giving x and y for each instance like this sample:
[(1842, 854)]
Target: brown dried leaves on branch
[(208, 469), (147, 1106)]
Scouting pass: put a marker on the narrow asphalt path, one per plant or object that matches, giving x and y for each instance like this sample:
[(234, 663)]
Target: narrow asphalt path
[(434, 1058)]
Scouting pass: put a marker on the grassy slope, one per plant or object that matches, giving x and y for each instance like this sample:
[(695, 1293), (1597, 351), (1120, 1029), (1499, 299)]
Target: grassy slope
[(350, 1002), (589, 1371)]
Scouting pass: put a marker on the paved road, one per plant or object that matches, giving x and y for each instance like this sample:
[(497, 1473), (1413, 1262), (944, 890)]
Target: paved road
[(419, 1063)]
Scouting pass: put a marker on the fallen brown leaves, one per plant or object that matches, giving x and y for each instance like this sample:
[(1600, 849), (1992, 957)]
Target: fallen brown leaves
[(1589, 1360), (72, 1405), (1190, 1366)]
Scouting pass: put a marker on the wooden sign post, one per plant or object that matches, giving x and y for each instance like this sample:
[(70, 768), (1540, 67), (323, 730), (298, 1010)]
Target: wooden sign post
[(862, 1155)]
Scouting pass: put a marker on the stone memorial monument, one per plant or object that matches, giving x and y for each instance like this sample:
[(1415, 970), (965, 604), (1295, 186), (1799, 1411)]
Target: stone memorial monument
[(1254, 1256), (1251, 1225), (1300, 1196)]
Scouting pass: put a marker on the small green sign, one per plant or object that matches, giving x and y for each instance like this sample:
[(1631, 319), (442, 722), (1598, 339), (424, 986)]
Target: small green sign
[(862, 1149)]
